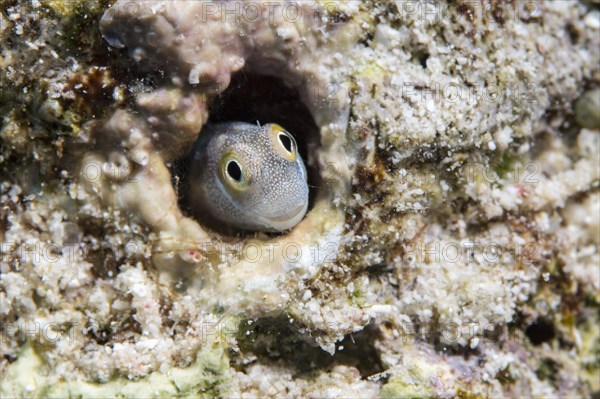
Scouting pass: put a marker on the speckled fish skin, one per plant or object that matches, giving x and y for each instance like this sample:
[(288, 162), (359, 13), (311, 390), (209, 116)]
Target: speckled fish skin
[(275, 196)]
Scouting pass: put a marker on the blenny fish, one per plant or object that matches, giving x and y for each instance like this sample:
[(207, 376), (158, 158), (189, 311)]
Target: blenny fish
[(248, 177)]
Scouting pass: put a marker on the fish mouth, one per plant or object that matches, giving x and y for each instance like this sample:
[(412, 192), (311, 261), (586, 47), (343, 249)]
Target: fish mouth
[(289, 216)]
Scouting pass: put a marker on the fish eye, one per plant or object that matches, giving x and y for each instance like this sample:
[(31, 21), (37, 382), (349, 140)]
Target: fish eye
[(286, 142), (282, 142), (233, 172)]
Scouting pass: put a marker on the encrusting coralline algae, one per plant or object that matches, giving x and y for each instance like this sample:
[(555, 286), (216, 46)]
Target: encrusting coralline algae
[(450, 248)]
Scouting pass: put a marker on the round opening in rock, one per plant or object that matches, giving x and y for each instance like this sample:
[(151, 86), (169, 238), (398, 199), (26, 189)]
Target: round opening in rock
[(252, 102)]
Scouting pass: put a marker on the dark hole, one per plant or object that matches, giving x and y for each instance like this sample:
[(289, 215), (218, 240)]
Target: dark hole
[(540, 331), (547, 369), (276, 339), (423, 60), (286, 142), (234, 171)]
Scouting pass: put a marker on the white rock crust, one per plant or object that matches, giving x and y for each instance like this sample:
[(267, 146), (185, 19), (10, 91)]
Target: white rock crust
[(445, 228)]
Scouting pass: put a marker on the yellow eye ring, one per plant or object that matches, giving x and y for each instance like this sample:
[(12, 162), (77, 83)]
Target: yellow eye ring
[(282, 142), (233, 172)]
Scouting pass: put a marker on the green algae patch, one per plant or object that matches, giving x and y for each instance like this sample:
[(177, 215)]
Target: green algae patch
[(590, 352), (587, 110), (207, 377), (24, 378), (400, 388), (412, 382), (420, 378), (63, 8), (78, 25)]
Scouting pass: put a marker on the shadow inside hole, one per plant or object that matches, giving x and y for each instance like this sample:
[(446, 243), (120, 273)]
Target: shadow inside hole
[(276, 339), (540, 331), (264, 99)]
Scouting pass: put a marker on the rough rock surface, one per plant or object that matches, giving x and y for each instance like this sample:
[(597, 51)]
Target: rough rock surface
[(451, 249)]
